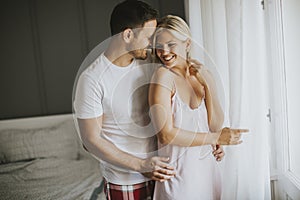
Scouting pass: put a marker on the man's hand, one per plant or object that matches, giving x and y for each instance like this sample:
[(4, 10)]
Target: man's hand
[(218, 152), (157, 168)]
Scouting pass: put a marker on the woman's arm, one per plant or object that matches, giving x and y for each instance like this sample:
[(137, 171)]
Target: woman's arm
[(160, 93), (214, 110)]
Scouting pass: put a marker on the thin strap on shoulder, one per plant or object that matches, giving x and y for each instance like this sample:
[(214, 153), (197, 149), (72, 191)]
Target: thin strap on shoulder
[(173, 89)]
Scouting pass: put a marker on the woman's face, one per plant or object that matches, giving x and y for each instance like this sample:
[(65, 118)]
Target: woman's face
[(170, 50)]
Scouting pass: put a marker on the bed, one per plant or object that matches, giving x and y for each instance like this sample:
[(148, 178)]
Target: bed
[(42, 158)]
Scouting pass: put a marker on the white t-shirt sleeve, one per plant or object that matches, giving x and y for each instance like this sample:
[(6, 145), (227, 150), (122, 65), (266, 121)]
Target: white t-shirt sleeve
[(88, 98)]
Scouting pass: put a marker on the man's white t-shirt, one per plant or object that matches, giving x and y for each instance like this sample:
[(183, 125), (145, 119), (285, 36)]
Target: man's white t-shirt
[(120, 96)]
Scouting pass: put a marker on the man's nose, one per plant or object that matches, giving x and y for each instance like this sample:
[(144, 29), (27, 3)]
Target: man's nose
[(149, 46)]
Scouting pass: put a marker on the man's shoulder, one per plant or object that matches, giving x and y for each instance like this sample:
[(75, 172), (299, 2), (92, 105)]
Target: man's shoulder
[(95, 69)]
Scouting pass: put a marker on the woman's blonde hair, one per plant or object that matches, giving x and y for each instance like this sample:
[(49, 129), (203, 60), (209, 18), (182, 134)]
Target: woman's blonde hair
[(175, 25)]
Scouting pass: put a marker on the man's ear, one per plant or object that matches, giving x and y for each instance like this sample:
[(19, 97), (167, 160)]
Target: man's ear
[(127, 35)]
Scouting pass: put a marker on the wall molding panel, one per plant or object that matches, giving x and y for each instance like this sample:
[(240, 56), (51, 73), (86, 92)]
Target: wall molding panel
[(44, 42)]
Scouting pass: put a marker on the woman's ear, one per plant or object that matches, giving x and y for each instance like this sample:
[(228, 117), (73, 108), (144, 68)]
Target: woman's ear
[(127, 35), (188, 45)]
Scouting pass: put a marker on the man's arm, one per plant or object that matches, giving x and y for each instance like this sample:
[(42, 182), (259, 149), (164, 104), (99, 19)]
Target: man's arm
[(156, 168)]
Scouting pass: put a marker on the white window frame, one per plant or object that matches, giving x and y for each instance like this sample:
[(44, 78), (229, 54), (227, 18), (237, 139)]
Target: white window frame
[(285, 184)]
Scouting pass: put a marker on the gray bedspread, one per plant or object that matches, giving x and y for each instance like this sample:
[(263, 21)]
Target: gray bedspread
[(51, 178)]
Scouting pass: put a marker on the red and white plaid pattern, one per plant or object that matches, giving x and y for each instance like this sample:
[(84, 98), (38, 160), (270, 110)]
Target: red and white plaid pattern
[(140, 191)]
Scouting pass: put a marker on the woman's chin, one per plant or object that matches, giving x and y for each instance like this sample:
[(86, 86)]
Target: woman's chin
[(168, 64)]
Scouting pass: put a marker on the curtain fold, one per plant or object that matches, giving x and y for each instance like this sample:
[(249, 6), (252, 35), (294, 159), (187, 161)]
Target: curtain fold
[(233, 36)]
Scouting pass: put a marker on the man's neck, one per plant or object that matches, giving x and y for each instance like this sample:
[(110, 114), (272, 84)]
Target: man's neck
[(117, 54)]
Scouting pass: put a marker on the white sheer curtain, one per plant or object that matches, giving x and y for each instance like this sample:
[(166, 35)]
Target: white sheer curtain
[(232, 32)]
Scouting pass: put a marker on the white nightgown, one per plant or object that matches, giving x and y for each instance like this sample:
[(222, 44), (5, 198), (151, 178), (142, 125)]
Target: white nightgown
[(197, 174)]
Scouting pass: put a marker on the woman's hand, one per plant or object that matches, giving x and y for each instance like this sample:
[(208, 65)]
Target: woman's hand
[(197, 71), (230, 136), (218, 152)]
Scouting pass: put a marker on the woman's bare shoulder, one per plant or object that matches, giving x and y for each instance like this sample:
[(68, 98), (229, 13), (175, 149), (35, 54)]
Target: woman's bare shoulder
[(163, 77), (163, 73)]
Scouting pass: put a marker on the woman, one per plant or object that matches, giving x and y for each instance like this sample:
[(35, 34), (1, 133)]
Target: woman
[(187, 116)]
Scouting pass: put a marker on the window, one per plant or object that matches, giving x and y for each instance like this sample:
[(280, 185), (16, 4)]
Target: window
[(284, 43)]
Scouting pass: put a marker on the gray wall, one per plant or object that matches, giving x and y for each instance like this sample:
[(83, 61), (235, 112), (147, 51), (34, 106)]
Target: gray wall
[(43, 43)]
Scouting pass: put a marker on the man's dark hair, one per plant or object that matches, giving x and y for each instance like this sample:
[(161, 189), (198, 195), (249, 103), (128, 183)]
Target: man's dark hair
[(131, 14)]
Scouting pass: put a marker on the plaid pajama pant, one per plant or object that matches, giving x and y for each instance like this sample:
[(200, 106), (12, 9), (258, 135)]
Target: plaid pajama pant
[(140, 191)]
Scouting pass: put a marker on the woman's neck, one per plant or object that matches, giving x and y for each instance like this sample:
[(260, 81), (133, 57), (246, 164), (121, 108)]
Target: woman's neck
[(181, 70)]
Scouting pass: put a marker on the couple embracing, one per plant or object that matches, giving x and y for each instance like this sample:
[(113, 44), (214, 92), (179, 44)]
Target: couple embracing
[(154, 124)]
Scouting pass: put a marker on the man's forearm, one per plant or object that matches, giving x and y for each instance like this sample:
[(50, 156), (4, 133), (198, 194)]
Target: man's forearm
[(107, 151)]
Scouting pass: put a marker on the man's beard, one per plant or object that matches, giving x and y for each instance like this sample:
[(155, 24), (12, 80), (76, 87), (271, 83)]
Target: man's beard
[(141, 54)]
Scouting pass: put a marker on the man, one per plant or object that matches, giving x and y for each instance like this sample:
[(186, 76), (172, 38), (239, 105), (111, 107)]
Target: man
[(112, 110)]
